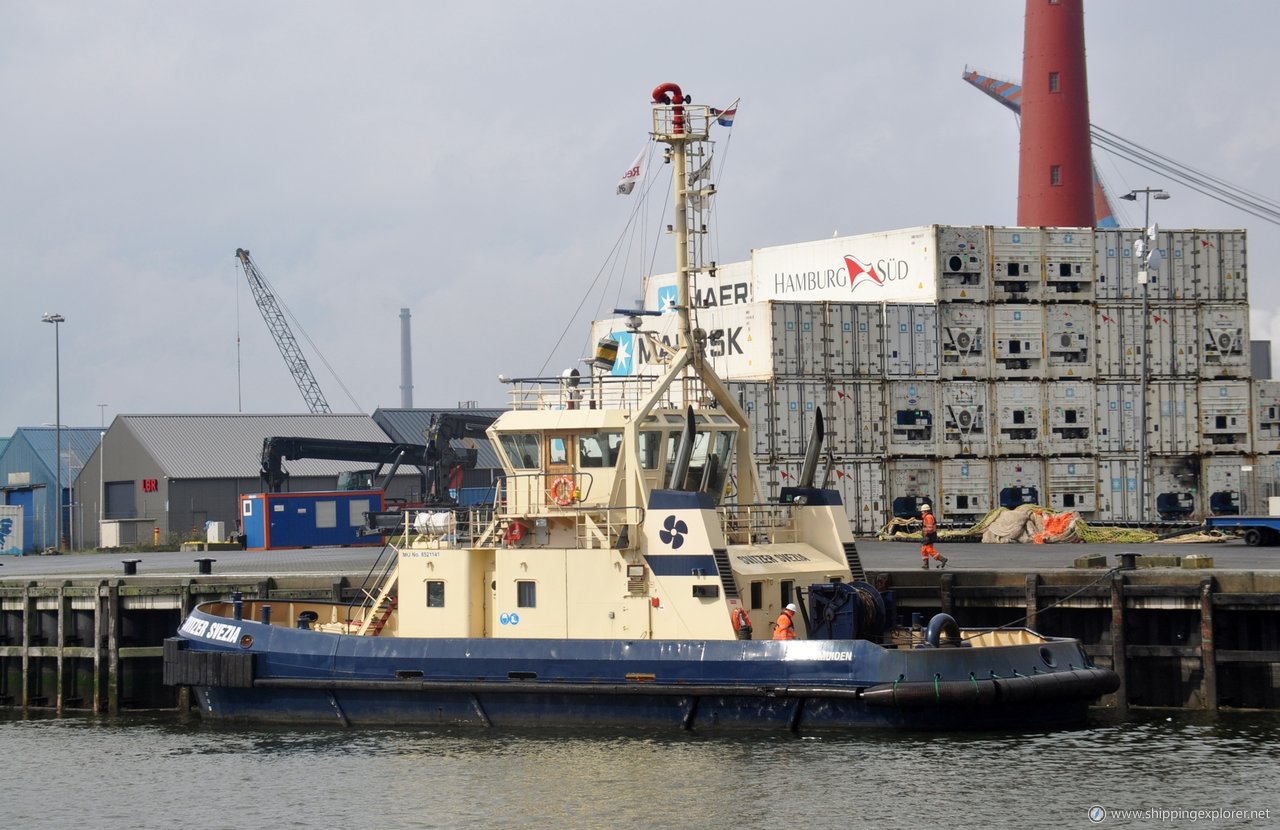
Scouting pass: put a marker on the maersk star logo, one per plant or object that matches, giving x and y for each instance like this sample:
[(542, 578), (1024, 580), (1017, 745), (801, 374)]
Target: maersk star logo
[(624, 363), (667, 298), (673, 532)]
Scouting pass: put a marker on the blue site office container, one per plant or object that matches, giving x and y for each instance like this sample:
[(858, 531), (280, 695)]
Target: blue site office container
[(307, 520)]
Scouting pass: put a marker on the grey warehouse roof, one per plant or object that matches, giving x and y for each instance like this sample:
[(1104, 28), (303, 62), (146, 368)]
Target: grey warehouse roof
[(230, 446)]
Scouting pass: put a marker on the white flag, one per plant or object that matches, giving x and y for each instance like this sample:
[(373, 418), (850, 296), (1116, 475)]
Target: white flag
[(634, 174), (704, 170)]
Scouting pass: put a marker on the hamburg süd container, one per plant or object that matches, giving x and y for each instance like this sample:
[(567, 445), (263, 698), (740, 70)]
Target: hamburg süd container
[(856, 334), (963, 264), (911, 340)]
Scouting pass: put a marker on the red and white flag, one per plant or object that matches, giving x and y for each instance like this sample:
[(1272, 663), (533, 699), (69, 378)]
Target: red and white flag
[(634, 174)]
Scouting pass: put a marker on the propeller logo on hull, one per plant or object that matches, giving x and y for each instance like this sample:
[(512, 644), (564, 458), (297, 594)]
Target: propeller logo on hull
[(673, 532)]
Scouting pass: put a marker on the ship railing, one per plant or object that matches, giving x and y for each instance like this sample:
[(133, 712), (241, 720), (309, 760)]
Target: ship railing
[(526, 498), (605, 392), (745, 524)]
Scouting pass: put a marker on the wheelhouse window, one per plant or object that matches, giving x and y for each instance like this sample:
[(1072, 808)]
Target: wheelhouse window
[(557, 451), (526, 594), (757, 595), (650, 450), (599, 449), (435, 593), (523, 450)]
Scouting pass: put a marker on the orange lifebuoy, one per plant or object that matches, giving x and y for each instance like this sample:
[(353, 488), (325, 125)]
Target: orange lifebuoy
[(562, 491)]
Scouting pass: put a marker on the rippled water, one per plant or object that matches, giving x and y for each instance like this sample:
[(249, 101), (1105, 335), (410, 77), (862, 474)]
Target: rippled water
[(170, 771)]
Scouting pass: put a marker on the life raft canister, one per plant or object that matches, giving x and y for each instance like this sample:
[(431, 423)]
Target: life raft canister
[(562, 491)]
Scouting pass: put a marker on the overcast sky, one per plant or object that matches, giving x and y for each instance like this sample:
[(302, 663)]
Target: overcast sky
[(460, 159)]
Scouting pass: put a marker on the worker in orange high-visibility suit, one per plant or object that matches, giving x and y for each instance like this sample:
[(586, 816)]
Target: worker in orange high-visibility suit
[(785, 627), (929, 535)]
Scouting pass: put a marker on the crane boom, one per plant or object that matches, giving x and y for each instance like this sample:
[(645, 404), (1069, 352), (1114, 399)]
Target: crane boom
[(280, 330)]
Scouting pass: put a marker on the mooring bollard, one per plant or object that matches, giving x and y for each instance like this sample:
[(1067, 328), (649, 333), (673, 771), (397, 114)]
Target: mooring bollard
[(237, 605), (1128, 561), (130, 566), (266, 614), (206, 565)]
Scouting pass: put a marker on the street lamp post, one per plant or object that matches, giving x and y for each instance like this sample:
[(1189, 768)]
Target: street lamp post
[(1150, 254), (57, 320)]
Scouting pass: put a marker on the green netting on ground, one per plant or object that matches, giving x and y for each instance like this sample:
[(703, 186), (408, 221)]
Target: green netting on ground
[(1033, 524)]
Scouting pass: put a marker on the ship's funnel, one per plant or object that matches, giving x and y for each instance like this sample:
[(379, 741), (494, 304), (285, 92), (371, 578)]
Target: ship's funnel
[(813, 450), (684, 452)]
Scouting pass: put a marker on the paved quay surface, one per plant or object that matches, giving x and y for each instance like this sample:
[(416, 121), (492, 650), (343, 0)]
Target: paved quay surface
[(876, 555)]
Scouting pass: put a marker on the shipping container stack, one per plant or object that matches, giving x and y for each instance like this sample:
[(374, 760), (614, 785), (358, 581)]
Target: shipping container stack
[(1012, 375)]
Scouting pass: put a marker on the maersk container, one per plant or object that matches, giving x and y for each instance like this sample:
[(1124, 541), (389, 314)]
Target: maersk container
[(856, 419), (1211, 261), (1114, 264), (911, 340), (1173, 419), (795, 405), (1068, 264), (1071, 415), (1069, 341), (1018, 341), (1020, 418), (754, 399), (1224, 416), (966, 490), (1224, 340), (914, 416), (739, 342), (1175, 487), (963, 264), (1073, 484), (860, 482), (856, 331), (731, 284), (898, 266), (1226, 481), (1019, 481), (963, 329), (1119, 429), (1118, 489), (1266, 416), (966, 411), (798, 338), (1017, 264), (911, 482)]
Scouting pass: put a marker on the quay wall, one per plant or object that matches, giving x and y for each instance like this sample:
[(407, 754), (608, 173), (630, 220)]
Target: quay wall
[(1194, 639)]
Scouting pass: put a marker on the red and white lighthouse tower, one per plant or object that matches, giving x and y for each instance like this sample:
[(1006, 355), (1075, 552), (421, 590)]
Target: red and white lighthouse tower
[(1055, 169)]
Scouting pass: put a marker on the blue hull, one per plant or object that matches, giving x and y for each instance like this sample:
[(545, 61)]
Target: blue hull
[(246, 670)]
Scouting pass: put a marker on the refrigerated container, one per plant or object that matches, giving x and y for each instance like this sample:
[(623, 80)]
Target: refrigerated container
[(1175, 487), (1170, 331), (966, 490), (1114, 262), (856, 332), (911, 482), (1118, 488), (1069, 340), (1266, 416), (911, 340), (1225, 480), (1068, 264), (1019, 481), (1209, 264), (1020, 417), (798, 340), (1119, 429), (963, 264), (795, 403), (1017, 264), (856, 417), (754, 398), (963, 329), (1224, 416), (1224, 340), (914, 416), (1073, 485), (1173, 420), (1017, 333), (965, 413), (1070, 409), (860, 482)]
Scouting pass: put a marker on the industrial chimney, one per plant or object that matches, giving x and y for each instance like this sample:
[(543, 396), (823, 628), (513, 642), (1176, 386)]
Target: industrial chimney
[(406, 362), (1055, 169)]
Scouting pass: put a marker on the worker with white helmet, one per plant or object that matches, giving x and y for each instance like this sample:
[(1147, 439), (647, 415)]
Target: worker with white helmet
[(785, 627), (929, 535)]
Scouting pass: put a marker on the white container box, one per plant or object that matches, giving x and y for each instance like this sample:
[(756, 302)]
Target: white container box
[(911, 482), (911, 340), (1175, 487), (1020, 418), (1224, 416), (1224, 340), (1173, 418), (1266, 416), (966, 428), (856, 417), (1068, 264), (860, 482), (1119, 429), (966, 489), (914, 415), (1017, 264), (1224, 480), (964, 332), (1069, 341), (1118, 488), (856, 334), (1017, 341), (1073, 485), (1070, 409), (1019, 481), (964, 267)]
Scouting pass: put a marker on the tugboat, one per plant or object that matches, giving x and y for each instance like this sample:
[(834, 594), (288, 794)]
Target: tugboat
[(627, 575)]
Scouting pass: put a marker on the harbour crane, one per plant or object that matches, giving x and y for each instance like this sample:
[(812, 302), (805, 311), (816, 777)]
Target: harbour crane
[(279, 326)]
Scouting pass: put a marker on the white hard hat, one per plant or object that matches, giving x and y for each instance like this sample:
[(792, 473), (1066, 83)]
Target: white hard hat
[(924, 508), (791, 606)]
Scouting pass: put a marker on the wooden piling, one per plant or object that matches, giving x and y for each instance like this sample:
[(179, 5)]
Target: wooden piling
[(1208, 650), (1119, 652)]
